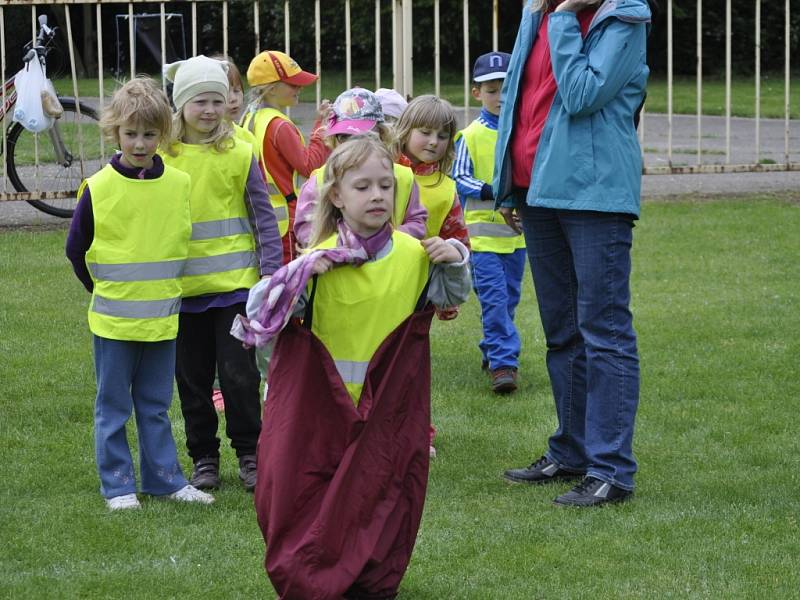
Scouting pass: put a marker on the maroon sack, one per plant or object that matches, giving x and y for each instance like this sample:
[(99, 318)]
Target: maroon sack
[(341, 487)]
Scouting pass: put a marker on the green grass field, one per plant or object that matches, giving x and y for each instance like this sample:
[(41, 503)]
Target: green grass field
[(452, 88), (717, 309)]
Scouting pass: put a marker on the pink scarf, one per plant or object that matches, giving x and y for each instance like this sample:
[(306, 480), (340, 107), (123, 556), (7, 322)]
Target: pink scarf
[(289, 282)]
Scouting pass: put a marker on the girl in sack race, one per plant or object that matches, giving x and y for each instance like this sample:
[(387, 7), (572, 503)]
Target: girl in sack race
[(343, 453)]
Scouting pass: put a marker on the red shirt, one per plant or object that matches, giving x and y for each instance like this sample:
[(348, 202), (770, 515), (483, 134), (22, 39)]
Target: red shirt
[(284, 153), (537, 90)]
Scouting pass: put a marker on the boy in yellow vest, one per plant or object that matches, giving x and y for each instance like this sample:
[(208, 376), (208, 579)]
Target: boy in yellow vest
[(128, 244), (498, 253)]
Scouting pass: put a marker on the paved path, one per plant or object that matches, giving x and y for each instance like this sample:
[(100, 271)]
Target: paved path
[(684, 143)]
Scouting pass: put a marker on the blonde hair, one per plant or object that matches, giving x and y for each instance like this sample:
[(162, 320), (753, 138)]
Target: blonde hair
[(257, 92), (428, 112), (344, 158), (140, 101)]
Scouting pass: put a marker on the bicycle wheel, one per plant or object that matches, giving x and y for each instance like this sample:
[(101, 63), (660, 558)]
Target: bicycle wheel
[(34, 165)]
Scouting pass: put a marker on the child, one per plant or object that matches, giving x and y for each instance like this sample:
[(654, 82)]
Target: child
[(342, 457), (392, 103), (235, 106), (425, 133), (498, 259), (354, 112), (128, 242), (234, 242), (277, 80)]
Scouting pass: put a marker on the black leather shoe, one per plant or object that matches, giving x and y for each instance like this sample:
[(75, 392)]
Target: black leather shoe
[(593, 492), (541, 471)]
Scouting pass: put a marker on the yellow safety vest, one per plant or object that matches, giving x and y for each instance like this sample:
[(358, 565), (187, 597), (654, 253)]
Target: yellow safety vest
[(240, 133), (356, 308), (488, 231), (141, 242), (436, 192), (222, 249), (257, 122), (403, 182)]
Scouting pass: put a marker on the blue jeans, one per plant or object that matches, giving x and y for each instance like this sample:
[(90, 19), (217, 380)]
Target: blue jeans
[(135, 376), (497, 279), (581, 266)]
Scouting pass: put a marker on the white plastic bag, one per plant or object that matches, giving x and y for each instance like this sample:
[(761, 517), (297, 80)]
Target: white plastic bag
[(30, 82)]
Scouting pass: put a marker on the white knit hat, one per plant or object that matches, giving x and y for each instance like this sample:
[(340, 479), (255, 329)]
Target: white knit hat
[(195, 76)]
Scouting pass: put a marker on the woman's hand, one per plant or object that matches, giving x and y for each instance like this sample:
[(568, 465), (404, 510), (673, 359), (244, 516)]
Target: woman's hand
[(577, 5), (511, 217), (440, 251)]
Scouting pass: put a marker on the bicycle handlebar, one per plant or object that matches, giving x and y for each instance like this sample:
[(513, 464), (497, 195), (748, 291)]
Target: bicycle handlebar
[(43, 40)]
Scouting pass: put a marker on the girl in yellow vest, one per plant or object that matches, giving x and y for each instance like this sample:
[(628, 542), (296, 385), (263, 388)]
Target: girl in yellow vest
[(234, 242), (354, 112), (343, 458), (425, 140), (128, 244), (276, 80)]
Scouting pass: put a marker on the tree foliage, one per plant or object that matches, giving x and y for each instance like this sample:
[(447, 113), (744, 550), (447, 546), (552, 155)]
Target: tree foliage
[(241, 38)]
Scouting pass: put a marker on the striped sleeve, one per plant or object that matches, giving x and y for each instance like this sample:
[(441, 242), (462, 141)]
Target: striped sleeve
[(467, 185)]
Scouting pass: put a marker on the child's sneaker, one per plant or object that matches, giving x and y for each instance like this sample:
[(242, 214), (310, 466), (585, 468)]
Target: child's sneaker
[(247, 471), (125, 502), (432, 452), (189, 493), (504, 380), (205, 475)]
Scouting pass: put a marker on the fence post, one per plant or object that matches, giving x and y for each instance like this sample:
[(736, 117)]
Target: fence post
[(787, 84), (699, 82)]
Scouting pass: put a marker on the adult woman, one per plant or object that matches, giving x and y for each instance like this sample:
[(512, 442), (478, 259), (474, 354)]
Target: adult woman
[(568, 170)]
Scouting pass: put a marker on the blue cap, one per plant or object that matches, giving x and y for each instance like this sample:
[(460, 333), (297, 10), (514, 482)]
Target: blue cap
[(491, 66)]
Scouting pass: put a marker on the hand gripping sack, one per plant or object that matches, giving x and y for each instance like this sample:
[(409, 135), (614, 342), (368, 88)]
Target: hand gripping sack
[(30, 83)]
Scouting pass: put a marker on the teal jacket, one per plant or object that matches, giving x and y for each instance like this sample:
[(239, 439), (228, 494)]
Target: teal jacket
[(588, 156)]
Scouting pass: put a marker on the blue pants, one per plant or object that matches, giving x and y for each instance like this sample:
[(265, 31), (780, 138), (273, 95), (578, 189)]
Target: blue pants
[(581, 265), (135, 376), (497, 279)]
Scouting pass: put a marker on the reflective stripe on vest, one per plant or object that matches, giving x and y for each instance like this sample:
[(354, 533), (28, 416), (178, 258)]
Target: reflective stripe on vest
[(403, 184), (498, 230), (139, 249), (488, 231), (224, 227), (210, 265), (136, 309), (356, 308), (222, 249), (143, 271), (352, 372), (436, 193), (257, 121)]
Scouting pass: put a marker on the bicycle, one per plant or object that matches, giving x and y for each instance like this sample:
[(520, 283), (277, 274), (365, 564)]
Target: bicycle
[(51, 162)]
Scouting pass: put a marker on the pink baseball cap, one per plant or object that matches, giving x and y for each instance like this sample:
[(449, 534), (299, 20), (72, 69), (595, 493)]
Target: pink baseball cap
[(354, 111), (392, 102)]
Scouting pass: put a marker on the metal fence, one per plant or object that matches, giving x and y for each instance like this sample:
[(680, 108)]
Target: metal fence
[(715, 156)]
